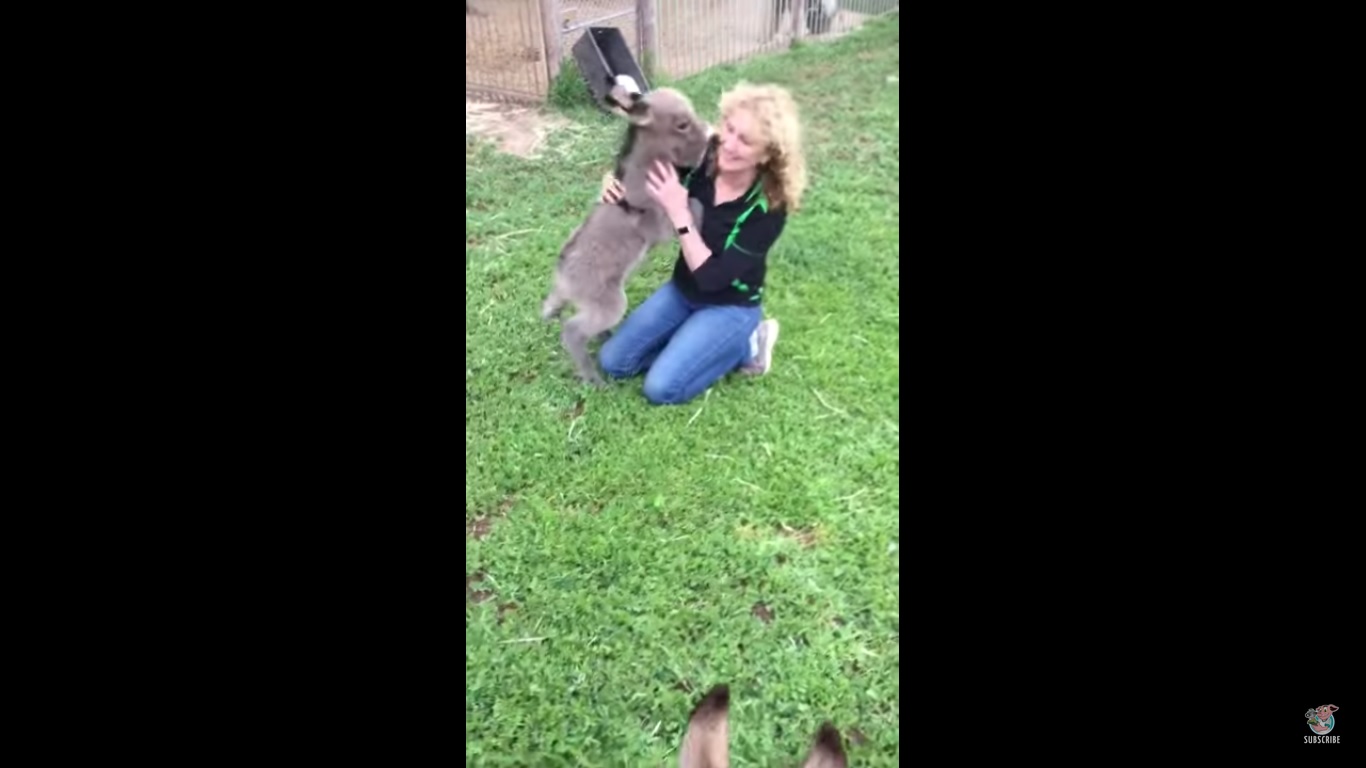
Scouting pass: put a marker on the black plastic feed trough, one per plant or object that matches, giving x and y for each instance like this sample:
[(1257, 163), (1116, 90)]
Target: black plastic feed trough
[(602, 54)]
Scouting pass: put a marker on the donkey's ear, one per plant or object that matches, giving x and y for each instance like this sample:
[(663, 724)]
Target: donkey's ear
[(706, 743), (827, 751)]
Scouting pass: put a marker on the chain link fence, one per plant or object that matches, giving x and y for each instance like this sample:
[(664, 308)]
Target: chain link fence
[(693, 35), (505, 50), (513, 47)]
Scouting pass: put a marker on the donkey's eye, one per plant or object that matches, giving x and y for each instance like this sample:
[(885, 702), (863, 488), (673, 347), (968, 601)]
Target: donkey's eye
[(683, 125)]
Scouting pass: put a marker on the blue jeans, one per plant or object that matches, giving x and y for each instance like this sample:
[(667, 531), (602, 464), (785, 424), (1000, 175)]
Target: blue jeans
[(685, 347)]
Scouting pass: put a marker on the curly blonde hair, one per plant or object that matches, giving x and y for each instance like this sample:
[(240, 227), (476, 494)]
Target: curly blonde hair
[(772, 107)]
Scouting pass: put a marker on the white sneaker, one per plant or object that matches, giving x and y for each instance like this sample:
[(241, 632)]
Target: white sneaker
[(761, 349)]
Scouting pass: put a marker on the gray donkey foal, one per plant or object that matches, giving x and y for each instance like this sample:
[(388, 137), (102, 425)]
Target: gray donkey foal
[(603, 252)]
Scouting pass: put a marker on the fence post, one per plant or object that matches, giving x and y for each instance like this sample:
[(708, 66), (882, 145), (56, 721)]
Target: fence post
[(799, 18), (649, 51), (552, 20)]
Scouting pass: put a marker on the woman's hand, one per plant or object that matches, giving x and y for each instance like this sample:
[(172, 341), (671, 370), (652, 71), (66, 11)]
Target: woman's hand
[(662, 184), (611, 189)]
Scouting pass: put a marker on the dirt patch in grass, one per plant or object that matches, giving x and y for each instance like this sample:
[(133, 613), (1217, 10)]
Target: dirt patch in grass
[(763, 613), (515, 130), (473, 595), (805, 537), (478, 529), (482, 525)]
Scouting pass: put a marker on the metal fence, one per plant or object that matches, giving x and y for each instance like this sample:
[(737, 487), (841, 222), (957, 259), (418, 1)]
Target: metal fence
[(513, 48), (693, 35), (505, 50)]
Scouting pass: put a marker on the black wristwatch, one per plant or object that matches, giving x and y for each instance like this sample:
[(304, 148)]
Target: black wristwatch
[(683, 230)]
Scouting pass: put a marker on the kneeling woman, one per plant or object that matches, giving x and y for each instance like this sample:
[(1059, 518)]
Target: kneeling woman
[(708, 319)]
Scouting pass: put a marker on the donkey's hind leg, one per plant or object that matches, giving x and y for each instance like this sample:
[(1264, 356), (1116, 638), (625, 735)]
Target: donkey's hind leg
[(552, 307), (554, 302), (593, 320), (574, 336)]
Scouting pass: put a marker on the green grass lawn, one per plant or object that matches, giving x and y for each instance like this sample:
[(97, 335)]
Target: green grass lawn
[(622, 558)]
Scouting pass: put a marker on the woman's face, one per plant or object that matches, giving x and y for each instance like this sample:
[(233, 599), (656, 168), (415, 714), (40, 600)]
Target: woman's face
[(741, 147)]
